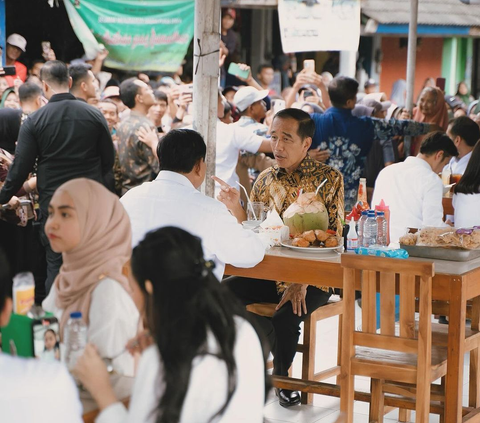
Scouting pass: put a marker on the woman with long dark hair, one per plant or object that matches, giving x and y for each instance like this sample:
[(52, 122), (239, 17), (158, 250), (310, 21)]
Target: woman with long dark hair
[(206, 363), (466, 200)]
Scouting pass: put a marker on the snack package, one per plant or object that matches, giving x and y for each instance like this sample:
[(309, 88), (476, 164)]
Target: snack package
[(380, 251), (272, 230), (467, 238)]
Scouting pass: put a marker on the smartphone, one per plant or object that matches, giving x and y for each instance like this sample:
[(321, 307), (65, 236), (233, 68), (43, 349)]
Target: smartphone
[(308, 93), (440, 83), (46, 339), (278, 105), (46, 47), (309, 65), (234, 69), (9, 70)]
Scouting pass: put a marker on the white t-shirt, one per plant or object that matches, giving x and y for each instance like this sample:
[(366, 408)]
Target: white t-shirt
[(207, 389), (457, 166), (230, 140), (413, 193), (467, 210), (113, 321), (172, 200), (35, 391)]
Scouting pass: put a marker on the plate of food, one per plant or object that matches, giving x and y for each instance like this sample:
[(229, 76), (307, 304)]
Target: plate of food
[(315, 241)]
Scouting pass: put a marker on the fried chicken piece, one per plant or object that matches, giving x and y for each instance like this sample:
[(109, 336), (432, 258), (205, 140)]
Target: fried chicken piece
[(300, 242), (309, 236), (321, 235), (331, 242)]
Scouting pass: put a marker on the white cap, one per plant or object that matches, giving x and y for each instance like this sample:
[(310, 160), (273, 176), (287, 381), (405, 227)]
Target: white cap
[(18, 41), (246, 96)]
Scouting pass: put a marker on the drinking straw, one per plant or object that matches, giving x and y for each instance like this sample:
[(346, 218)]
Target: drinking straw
[(248, 200), (320, 186)]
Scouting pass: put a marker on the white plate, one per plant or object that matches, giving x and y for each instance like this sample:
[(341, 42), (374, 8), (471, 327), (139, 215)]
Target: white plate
[(310, 249)]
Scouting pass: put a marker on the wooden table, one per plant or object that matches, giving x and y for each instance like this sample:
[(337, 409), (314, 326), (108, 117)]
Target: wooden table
[(455, 282)]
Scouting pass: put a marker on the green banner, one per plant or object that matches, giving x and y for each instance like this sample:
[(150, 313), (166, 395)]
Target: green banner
[(139, 34)]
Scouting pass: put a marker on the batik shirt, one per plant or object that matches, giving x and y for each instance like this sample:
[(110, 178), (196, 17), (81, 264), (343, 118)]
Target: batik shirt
[(349, 138), (138, 164), (277, 189)]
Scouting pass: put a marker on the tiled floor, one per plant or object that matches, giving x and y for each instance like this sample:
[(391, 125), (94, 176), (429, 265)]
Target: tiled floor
[(326, 409)]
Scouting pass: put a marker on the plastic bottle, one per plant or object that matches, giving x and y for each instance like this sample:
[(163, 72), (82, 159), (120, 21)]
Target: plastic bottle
[(384, 208), (381, 229), (23, 292), (361, 225), (352, 237), (370, 230), (75, 339)]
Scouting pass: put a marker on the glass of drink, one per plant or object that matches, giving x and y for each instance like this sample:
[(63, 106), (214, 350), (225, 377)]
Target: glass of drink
[(256, 211)]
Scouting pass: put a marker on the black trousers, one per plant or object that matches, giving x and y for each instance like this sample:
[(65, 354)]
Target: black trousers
[(283, 329)]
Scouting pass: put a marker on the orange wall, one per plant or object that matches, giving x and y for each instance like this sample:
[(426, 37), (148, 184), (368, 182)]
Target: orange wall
[(394, 64)]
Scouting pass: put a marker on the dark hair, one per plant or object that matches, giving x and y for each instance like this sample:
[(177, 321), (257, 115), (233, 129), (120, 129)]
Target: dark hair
[(470, 181), (180, 150), (55, 72), (128, 92), (465, 128), (187, 303), (160, 96), (78, 73), (5, 280), (36, 61), (438, 141), (306, 126), (57, 343), (28, 91), (341, 89), (264, 66)]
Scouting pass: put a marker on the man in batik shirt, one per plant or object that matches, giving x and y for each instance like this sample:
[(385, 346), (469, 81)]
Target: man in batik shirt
[(277, 186), (138, 163)]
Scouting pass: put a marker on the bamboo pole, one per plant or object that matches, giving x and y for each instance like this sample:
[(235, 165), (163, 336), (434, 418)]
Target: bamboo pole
[(411, 63), (205, 80)]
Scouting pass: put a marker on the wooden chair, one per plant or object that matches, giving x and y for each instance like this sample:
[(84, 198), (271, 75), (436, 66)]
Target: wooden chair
[(403, 364), (307, 348)]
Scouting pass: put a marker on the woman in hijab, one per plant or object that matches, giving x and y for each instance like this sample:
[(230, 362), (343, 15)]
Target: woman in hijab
[(10, 99), (90, 227), (463, 93), (432, 109)]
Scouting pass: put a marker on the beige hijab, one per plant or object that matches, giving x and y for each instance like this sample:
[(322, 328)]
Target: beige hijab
[(104, 248)]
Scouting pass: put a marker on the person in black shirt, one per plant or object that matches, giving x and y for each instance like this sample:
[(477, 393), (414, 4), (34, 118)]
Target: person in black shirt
[(68, 139)]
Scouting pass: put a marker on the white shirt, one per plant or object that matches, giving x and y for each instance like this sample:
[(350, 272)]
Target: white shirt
[(467, 210), (207, 389), (457, 166), (36, 391), (172, 200), (413, 193), (230, 140), (113, 321)]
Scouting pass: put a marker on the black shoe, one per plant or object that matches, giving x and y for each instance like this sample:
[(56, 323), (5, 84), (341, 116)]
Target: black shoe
[(443, 320), (287, 398)]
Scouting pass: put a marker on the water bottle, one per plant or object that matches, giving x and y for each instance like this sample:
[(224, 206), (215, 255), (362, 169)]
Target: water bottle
[(370, 230), (361, 225), (75, 339), (381, 229)]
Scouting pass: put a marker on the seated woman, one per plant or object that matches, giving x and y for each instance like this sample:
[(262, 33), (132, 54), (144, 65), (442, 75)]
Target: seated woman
[(466, 200), (206, 363), (32, 390), (90, 227)]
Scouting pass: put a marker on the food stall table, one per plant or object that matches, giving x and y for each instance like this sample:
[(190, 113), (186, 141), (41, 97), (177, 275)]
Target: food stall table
[(455, 282)]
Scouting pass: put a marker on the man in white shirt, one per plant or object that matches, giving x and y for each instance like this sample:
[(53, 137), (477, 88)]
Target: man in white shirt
[(465, 133), (172, 199), (412, 189), (33, 390), (231, 139)]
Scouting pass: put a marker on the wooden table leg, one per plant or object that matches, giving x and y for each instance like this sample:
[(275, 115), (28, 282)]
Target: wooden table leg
[(474, 392), (456, 339)]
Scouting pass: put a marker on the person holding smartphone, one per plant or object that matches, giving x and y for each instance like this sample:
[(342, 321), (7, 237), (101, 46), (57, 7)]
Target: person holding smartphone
[(16, 45)]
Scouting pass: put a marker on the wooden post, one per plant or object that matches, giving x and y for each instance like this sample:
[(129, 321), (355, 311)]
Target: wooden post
[(411, 63), (205, 80)]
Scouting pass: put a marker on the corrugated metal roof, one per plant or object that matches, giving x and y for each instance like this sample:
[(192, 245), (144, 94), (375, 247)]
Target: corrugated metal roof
[(430, 12)]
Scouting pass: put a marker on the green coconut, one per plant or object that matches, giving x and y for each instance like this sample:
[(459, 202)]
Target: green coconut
[(307, 213)]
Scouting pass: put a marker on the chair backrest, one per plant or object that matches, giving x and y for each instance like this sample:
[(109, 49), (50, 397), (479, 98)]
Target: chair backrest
[(389, 277)]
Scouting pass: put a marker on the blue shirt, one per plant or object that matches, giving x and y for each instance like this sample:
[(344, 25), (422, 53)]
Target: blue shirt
[(349, 138)]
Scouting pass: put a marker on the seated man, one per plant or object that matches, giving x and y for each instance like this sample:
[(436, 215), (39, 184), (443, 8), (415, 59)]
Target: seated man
[(412, 189), (277, 187), (172, 199)]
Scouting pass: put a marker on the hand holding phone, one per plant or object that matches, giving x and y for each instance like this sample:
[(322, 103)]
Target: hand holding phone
[(239, 71)]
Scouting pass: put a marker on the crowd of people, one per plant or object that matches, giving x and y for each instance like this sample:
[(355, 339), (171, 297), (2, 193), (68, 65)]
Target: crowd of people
[(99, 177)]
